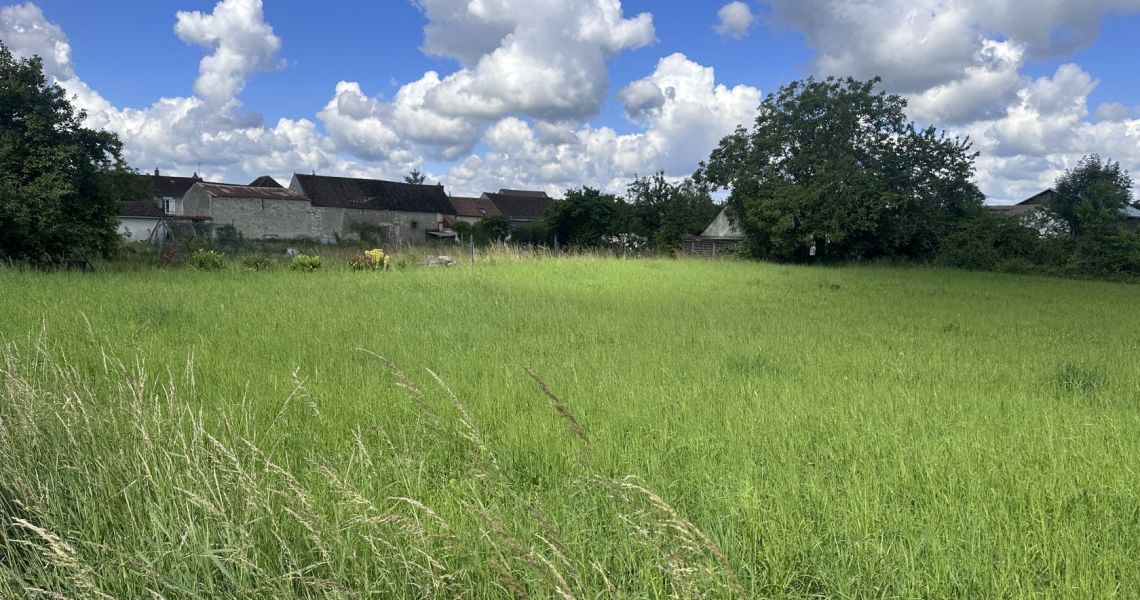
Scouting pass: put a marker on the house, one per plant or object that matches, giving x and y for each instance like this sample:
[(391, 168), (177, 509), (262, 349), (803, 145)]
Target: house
[(472, 210), (257, 212), (361, 208), (520, 206), (151, 221), (721, 238), (1025, 207), (1038, 201), (143, 222)]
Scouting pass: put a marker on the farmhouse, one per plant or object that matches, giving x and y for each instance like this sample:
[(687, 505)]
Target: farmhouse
[(363, 208), (256, 212), (720, 238), (154, 220), (520, 206)]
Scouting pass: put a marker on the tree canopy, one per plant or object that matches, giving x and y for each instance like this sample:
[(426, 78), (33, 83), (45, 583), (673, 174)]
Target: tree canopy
[(1095, 190), (415, 176), (663, 212), (61, 184), (587, 217), (836, 164)]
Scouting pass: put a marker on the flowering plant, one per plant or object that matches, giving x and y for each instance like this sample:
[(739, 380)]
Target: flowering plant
[(370, 260), (627, 242)]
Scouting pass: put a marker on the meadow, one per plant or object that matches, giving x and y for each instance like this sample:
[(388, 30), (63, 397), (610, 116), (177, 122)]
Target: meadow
[(568, 428)]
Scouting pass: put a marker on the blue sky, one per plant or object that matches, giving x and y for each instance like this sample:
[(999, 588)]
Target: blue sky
[(306, 87)]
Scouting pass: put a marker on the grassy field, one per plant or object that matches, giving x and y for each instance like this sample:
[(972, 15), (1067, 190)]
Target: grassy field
[(716, 429)]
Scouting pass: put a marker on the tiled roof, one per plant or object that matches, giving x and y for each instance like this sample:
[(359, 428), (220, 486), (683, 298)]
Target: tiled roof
[(373, 194), (222, 190), (265, 181), (165, 186), (473, 207), (142, 208), (519, 204)]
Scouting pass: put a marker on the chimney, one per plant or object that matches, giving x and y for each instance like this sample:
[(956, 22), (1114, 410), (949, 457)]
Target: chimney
[(156, 171)]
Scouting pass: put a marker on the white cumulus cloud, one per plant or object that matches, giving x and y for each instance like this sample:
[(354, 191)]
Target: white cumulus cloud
[(735, 19)]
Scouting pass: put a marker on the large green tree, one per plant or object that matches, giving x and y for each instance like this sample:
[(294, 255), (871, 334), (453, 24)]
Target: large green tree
[(587, 217), (1090, 200), (60, 183), (1095, 190), (663, 211), (836, 164)]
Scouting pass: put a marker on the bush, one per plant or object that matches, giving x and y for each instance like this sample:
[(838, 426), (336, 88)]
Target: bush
[(533, 234), (256, 263), (986, 241), (207, 260), (370, 260), (305, 263), (228, 239)]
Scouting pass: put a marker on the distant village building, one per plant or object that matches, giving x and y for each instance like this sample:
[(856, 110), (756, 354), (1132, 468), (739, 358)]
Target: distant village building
[(355, 208), (318, 207), (472, 210), (156, 219), (520, 206), (720, 239), (1036, 203), (257, 212)]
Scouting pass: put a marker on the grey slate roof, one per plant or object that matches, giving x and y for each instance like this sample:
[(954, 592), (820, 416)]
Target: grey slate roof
[(521, 204), (164, 185), (265, 181), (722, 228), (142, 208), (373, 194)]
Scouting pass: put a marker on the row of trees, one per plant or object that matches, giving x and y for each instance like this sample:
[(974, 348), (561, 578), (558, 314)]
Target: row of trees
[(655, 210)]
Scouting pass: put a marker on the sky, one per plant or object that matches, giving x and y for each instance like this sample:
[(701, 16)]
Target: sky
[(553, 94)]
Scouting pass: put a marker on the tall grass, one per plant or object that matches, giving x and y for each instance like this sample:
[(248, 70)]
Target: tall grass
[(588, 427)]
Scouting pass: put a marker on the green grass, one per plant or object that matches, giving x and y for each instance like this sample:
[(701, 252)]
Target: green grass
[(791, 432)]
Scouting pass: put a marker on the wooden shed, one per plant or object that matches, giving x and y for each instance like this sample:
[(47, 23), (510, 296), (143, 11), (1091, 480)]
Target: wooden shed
[(720, 239)]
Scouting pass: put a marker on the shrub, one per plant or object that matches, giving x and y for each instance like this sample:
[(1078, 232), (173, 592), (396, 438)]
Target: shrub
[(228, 238), (305, 263), (207, 260), (533, 234), (986, 241), (169, 257), (256, 263), (370, 260)]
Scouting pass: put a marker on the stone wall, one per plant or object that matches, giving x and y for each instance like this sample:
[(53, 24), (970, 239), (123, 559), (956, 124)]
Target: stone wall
[(264, 218), (259, 218)]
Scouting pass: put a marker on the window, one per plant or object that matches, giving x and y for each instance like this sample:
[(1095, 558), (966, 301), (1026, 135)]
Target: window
[(168, 205), (415, 224), (482, 211)]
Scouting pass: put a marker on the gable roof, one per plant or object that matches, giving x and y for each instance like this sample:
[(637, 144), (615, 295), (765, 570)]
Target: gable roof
[(722, 228), (165, 185), (265, 181), (373, 194), (473, 207), (225, 190), (1037, 199), (142, 208), (521, 204)]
